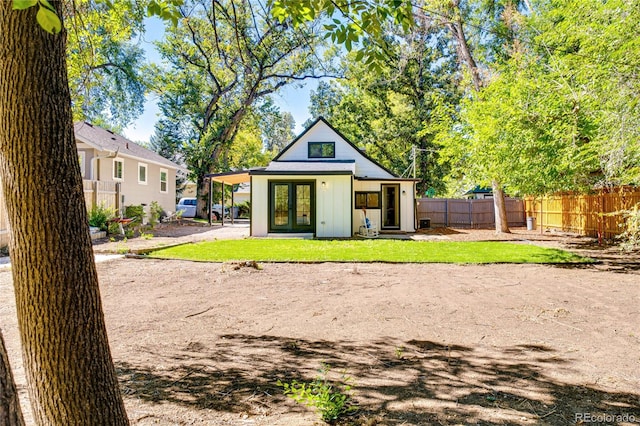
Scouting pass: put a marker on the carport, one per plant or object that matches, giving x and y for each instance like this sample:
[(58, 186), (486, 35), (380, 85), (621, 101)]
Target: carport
[(227, 178)]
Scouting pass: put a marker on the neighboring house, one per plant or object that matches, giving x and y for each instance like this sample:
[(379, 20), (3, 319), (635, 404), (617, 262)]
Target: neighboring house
[(109, 159), (479, 193), (143, 175), (242, 193), (318, 185)]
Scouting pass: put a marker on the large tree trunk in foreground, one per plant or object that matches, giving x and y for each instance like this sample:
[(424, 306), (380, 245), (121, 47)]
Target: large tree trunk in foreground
[(10, 413), (500, 208), (70, 373)]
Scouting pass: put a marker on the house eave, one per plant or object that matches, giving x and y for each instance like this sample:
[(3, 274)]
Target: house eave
[(397, 179), (301, 172)]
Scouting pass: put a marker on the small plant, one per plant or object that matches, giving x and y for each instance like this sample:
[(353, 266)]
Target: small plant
[(155, 213), (630, 238), (399, 352), (331, 400), (99, 216), (146, 235), (122, 247)]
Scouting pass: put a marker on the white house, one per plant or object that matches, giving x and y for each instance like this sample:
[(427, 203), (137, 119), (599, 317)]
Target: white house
[(143, 175), (318, 185)]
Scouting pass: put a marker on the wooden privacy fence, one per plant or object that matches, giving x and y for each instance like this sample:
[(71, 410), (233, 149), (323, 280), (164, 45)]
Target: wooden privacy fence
[(458, 213), (595, 215), (98, 193), (95, 194)]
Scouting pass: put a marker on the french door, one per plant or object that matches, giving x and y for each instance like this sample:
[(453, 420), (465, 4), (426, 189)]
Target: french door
[(292, 206)]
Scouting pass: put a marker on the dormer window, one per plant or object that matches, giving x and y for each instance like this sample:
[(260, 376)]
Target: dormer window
[(322, 150)]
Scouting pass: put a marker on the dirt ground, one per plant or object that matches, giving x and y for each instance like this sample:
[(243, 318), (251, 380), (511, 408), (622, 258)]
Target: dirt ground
[(205, 344)]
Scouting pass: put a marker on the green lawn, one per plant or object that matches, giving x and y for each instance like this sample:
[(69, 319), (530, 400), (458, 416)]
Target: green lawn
[(382, 250)]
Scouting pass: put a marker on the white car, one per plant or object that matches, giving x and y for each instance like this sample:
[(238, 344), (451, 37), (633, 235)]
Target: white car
[(189, 205)]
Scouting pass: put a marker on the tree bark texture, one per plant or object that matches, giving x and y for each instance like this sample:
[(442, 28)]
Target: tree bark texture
[(10, 413), (500, 208), (67, 360)]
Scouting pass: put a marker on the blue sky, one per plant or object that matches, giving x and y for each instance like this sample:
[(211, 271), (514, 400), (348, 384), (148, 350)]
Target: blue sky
[(291, 99)]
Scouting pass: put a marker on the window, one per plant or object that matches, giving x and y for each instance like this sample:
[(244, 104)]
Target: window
[(369, 200), (163, 180), (82, 160), (322, 150), (118, 169), (142, 173)]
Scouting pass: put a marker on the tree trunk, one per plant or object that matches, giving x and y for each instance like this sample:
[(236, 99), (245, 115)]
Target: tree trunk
[(68, 364), (456, 27), (500, 208), (10, 413), (202, 191)]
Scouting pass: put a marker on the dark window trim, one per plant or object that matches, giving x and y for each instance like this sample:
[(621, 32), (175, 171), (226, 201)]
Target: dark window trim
[(310, 144), (366, 194)]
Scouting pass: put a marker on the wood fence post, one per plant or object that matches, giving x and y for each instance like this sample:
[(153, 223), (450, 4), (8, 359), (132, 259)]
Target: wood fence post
[(118, 197), (446, 212), (94, 193)]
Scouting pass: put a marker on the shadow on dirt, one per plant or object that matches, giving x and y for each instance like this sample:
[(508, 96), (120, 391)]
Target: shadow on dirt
[(608, 257), (409, 383)]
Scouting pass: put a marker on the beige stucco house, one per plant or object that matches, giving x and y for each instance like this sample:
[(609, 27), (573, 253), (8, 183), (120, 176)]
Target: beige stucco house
[(143, 175)]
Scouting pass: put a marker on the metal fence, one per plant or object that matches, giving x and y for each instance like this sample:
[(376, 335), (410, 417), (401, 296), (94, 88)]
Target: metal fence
[(598, 214), (458, 213)]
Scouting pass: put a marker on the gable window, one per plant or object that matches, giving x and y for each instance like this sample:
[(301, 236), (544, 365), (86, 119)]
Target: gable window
[(142, 173), (164, 173), (369, 200), (322, 150), (118, 169)]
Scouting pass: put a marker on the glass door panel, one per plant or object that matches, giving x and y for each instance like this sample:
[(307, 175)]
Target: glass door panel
[(390, 206), (303, 204), (281, 202)]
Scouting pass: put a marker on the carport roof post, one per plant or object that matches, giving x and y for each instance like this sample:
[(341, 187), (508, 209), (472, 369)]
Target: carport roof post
[(228, 178)]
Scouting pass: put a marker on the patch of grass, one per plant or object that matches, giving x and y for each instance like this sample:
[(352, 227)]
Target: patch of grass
[(393, 251)]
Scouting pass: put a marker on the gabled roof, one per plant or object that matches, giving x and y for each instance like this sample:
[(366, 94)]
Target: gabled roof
[(105, 140), (322, 119)]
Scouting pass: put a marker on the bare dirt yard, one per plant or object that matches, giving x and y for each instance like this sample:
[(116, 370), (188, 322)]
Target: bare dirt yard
[(205, 344)]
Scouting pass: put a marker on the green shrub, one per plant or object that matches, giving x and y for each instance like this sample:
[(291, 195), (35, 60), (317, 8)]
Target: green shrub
[(244, 209), (136, 213), (630, 238), (99, 216), (332, 401), (113, 228), (155, 213)]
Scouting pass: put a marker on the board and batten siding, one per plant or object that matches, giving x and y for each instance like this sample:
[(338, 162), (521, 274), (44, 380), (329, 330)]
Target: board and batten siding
[(344, 150), (407, 209), (332, 201)]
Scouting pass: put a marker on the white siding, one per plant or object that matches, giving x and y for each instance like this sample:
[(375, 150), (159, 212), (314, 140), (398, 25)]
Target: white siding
[(407, 208), (333, 204), (344, 151), (259, 206)]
